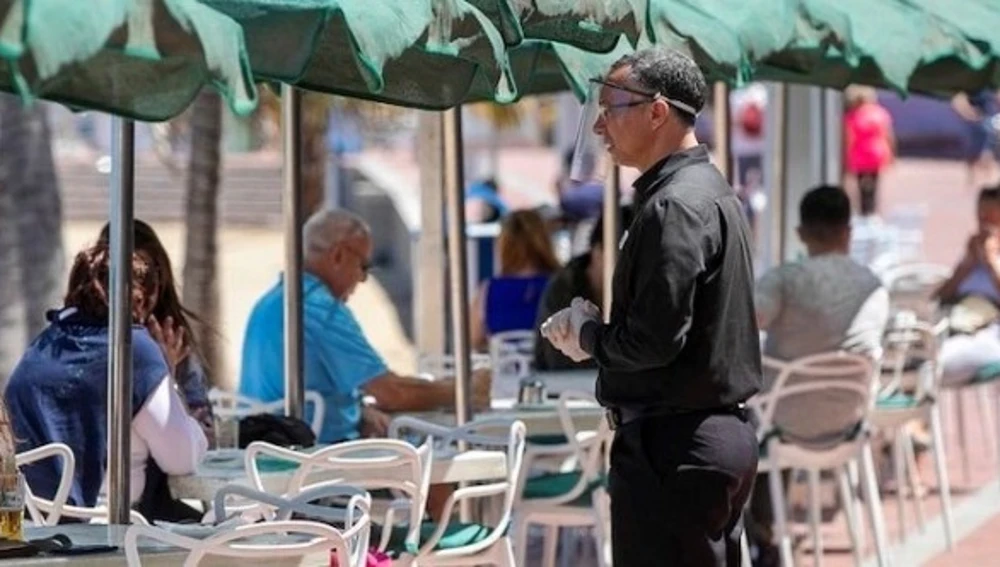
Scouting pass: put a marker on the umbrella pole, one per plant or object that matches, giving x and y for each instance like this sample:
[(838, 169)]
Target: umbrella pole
[(291, 134), (120, 320), (611, 236), (451, 125), (723, 130)]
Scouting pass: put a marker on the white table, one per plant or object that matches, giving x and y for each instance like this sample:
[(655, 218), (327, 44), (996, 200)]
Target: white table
[(210, 476), (154, 554)]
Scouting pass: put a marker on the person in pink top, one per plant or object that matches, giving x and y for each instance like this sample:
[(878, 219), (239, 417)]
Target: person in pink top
[(869, 143)]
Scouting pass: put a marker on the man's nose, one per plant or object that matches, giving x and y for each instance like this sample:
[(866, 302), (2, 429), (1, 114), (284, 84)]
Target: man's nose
[(599, 123)]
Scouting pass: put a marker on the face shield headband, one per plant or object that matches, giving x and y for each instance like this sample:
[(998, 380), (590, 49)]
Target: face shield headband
[(591, 161)]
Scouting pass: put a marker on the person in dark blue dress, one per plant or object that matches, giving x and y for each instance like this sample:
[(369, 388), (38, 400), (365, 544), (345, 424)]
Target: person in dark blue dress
[(509, 300)]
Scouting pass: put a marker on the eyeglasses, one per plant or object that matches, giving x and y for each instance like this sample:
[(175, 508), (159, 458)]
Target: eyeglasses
[(366, 265), (604, 108)]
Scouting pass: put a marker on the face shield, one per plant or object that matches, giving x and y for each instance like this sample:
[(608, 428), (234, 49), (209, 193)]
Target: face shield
[(591, 161)]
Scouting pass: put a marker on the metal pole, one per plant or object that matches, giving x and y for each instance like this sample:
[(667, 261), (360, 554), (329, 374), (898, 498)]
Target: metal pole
[(779, 105), (291, 131), (723, 130), (612, 191), (120, 320), (451, 124)]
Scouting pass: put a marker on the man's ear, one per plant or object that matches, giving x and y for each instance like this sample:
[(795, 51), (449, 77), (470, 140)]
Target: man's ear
[(659, 113)]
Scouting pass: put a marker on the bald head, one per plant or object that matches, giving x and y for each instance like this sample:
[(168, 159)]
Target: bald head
[(330, 227)]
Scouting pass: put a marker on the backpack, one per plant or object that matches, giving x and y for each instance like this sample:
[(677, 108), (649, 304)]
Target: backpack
[(280, 430)]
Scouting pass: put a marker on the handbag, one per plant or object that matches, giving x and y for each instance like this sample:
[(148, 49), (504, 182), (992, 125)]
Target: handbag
[(375, 558)]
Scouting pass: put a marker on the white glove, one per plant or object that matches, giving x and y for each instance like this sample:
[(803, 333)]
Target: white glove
[(563, 328)]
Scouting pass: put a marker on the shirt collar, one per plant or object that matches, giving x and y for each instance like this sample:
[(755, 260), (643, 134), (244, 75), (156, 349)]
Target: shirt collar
[(666, 167)]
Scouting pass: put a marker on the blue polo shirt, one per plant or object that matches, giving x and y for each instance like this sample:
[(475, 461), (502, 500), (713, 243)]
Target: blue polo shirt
[(337, 358)]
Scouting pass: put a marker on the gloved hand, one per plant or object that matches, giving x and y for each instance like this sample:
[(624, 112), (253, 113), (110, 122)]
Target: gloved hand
[(563, 328)]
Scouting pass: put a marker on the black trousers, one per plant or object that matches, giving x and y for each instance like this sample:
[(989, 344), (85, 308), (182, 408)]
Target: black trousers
[(678, 485)]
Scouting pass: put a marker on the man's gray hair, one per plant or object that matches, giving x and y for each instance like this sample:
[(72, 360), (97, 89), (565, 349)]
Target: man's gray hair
[(328, 227), (669, 73)]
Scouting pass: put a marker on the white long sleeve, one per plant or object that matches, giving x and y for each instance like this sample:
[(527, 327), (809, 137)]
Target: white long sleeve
[(174, 439)]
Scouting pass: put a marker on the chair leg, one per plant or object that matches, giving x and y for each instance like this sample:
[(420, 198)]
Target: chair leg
[(963, 435), (521, 526), (815, 516), (859, 508), (505, 555), (986, 420), (551, 546), (745, 560), (848, 499), (900, 471), (876, 516), (780, 515), (914, 480), (941, 468)]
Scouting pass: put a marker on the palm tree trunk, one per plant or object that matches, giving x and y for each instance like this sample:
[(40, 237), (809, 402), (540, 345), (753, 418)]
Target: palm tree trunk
[(31, 225), (201, 281), (315, 123)]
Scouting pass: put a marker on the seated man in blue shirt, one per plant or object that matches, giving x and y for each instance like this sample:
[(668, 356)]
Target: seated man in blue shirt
[(339, 363)]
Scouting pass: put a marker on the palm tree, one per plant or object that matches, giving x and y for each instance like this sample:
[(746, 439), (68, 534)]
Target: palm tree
[(31, 247), (201, 279)]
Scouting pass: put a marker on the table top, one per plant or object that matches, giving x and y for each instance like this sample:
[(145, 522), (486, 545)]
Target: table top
[(153, 554), (214, 473)]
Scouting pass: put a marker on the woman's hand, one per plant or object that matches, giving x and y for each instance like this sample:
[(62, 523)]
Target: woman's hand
[(171, 338)]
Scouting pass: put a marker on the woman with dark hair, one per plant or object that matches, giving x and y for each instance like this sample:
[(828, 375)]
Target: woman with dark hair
[(58, 391), (170, 315), (169, 312)]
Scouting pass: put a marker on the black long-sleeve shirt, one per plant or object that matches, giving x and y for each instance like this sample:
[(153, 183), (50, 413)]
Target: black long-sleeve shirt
[(683, 331)]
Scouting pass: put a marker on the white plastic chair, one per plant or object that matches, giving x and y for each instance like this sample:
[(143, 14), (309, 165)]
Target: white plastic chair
[(231, 404), (376, 463), (895, 408), (44, 512), (279, 537), (512, 354), (444, 365), (911, 285), (493, 545), (579, 506), (794, 441)]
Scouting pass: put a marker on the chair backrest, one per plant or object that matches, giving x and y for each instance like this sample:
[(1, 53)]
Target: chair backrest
[(280, 536), (491, 434), (911, 348), (444, 365), (41, 511), (818, 400), (370, 463), (911, 285), (512, 354), (590, 451), (231, 404)]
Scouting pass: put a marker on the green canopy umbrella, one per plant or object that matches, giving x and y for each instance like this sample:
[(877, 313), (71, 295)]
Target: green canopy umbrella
[(350, 47), (592, 25), (143, 59), (431, 54), (919, 45), (725, 37)]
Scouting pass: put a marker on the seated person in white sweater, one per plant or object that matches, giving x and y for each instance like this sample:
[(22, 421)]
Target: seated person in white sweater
[(58, 392)]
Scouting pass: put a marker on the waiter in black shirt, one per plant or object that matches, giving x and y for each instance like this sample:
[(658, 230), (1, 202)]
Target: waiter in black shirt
[(680, 353)]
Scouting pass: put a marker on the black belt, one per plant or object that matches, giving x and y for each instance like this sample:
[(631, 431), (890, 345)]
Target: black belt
[(620, 416)]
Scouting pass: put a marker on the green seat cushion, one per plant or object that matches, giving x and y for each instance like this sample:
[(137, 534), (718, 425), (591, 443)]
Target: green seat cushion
[(987, 373), (897, 401), (456, 535), (553, 485)]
